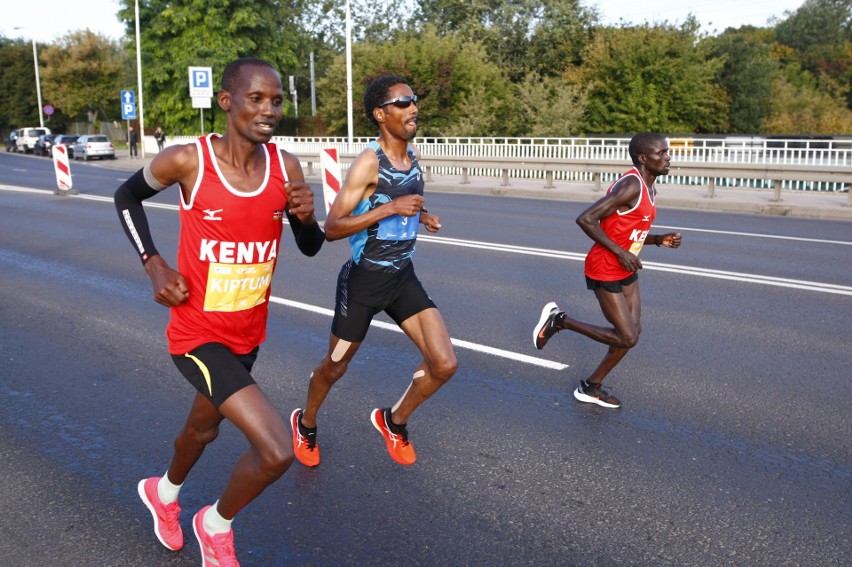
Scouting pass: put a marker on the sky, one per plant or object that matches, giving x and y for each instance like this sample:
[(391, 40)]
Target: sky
[(48, 20)]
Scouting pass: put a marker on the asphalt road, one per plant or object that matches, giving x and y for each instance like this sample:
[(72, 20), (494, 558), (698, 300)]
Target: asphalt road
[(734, 445)]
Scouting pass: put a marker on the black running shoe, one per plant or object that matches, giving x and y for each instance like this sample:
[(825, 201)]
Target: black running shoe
[(594, 394), (545, 329)]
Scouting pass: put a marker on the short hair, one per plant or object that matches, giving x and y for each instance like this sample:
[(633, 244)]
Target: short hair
[(642, 143), (378, 92), (232, 75)]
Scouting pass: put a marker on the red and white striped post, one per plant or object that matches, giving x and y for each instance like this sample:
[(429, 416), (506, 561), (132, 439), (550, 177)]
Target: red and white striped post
[(331, 176), (63, 171)]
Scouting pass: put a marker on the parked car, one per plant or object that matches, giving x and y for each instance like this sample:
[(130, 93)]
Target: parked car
[(12, 141), (43, 145), (67, 140), (27, 138), (91, 146)]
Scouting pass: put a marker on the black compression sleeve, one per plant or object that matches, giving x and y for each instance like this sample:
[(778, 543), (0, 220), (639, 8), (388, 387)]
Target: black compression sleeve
[(309, 238), (128, 202)]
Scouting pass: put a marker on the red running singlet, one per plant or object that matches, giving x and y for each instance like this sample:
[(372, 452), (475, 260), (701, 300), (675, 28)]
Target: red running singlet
[(228, 248), (628, 229)]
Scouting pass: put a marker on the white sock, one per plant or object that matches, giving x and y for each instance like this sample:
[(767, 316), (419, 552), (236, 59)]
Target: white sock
[(167, 491), (214, 523)]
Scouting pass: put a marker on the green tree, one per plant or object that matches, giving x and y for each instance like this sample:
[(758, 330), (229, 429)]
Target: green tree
[(803, 109), (18, 101), (551, 107), (651, 78), (178, 34), (81, 75), (749, 74), (453, 79), (519, 37), (820, 34)]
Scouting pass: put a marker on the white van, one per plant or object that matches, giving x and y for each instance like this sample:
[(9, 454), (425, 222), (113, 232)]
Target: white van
[(27, 138)]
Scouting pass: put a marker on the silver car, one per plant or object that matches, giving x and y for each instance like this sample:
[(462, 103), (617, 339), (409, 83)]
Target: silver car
[(90, 146)]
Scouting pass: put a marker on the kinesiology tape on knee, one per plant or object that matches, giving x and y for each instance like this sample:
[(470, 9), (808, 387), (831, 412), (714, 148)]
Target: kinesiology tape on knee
[(128, 202)]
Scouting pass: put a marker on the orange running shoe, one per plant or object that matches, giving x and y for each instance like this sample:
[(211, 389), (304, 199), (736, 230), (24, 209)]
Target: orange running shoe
[(399, 447), (166, 516), (305, 444)]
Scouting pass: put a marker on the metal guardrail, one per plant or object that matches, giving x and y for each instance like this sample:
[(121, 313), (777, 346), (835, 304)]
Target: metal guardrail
[(775, 177), (741, 162)]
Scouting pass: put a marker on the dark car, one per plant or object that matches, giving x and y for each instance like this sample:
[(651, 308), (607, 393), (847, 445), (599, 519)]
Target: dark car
[(12, 141), (67, 140), (43, 145)]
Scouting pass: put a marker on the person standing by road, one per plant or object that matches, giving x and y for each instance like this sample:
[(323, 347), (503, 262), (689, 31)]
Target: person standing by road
[(379, 208), (160, 137), (235, 190), (133, 140), (619, 224)]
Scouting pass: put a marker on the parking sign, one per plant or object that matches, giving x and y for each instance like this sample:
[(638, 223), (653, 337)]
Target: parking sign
[(128, 105), (200, 82)]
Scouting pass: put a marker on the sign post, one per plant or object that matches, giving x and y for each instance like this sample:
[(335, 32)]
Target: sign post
[(201, 89), (128, 110)]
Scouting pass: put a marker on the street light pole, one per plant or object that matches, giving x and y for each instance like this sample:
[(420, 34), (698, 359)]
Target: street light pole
[(349, 76), (38, 86), (139, 84), (38, 82)]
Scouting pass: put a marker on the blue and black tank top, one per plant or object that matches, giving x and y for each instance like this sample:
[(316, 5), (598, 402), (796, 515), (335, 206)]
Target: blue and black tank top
[(388, 245)]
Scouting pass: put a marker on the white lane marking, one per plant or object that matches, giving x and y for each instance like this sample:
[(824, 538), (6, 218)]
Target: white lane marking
[(654, 266), (755, 235), (687, 270), (457, 342)]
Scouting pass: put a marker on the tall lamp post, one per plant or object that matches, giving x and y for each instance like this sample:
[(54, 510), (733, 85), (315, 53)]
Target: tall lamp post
[(139, 84), (38, 83), (349, 77)]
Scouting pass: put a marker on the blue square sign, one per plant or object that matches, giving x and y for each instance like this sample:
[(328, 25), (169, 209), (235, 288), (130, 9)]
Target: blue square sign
[(200, 82), (128, 105)]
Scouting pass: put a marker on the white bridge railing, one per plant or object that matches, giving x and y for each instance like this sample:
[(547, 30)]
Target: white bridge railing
[(821, 164)]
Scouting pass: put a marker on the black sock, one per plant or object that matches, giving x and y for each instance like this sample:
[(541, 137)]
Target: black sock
[(306, 430), (398, 429)]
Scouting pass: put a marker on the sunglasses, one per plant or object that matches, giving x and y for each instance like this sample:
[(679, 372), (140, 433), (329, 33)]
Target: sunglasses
[(401, 101)]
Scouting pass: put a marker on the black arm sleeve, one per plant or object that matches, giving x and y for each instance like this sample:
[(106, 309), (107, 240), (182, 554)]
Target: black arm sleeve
[(128, 202), (309, 238)]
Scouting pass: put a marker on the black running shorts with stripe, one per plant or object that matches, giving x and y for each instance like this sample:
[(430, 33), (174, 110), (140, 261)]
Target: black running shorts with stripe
[(215, 371), (361, 294), (612, 287)]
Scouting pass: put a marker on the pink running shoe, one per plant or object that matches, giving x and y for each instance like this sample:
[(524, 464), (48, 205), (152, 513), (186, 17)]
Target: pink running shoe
[(166, 516), (216, 550)]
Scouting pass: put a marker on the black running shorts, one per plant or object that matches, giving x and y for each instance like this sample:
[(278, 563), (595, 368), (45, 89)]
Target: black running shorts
[(216, 372), (361, 294), (613, 287)]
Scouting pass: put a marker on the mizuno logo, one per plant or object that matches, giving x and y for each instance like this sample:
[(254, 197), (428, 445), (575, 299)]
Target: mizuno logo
[(646, 218), (210, 214)]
